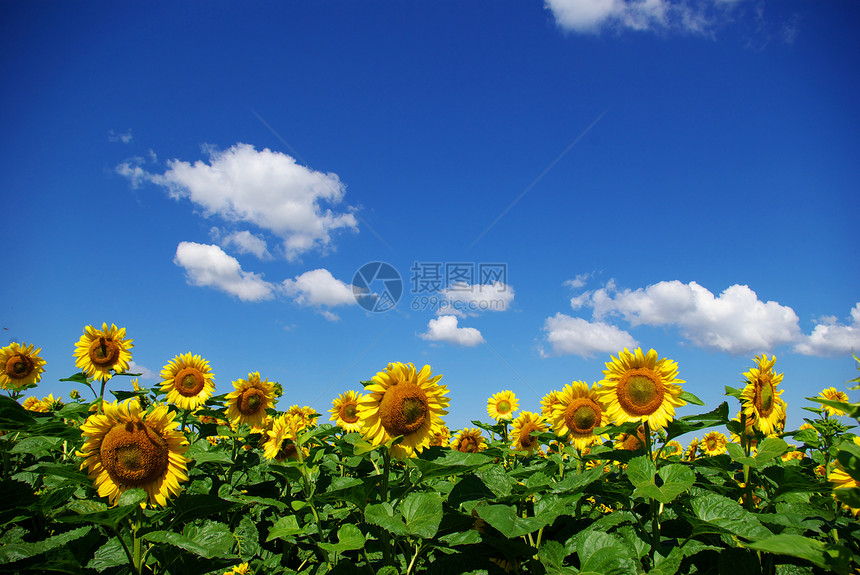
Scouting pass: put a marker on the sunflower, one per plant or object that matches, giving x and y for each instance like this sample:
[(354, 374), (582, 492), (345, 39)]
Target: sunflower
[(713, 443), (441, 437), (692, 450), (281, 443), (631, 442), (502, 406), (187, 381), (248, 404), (308, 415), (639, 387), (522, 428), (833, 394), (469, 440), (403, 401), (576, 414), (345, 411), (841, 480), (240, 569), (672, 449), (22, 366), (791, 455), (760, 398), (548, 402), (126, 448), (33, 404), (101, 350), (51, 403)]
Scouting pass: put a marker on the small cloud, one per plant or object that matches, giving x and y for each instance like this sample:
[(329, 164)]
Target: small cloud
[(579, 281), (145, 373), (576, 336), (124, 137), (444, 328), (463, 299), (208, 266), (319, 289), (830, 338), (245, 242)]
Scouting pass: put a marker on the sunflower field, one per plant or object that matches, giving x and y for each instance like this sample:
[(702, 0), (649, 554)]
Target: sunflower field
[(121, 478)]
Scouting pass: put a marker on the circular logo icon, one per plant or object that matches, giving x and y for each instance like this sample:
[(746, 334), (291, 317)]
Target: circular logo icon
[(377, 286)]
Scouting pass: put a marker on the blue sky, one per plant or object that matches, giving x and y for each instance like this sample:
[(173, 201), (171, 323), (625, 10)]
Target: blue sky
[(211, 175)]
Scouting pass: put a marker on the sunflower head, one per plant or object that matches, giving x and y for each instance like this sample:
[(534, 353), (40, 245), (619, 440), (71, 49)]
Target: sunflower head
[(631, 441), (641, 387), (713, 443), (842, 480), (672, 449), (33, 404), (250, 400), (21, 366), (578, 411), (548, 402), (469, 440), (188, 381), (344, 411), (833, 394), (101, 351), (441, 437), (402, 401), (502, 406), (281, 443), (128, 448), (692, 451), (307, 415), (523, 426), (760, 399)]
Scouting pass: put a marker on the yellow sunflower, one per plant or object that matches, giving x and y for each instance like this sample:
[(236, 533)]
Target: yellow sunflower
[(469, 440), (713, 443), (760, 398), (308, 415), (641, 387), (841, 480), (548, 402), (672, 449), (403, 401), (187, 381), (101, 350), (21, 366), (631, 442), (345, 411), (522, 427), (502, 406), (441, 437), (791, 455), (576, 414), (51, 403), (33, 404), (833, 394), (692, 450), (281, 444), (126, 448), (248, 404)]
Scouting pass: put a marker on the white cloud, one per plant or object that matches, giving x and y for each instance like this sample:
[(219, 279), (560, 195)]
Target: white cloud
[(444, 328), (576, 336), (124, 137), (265, 188), (592, 16), (208, 265), (736, 321), (146, 374), (245, 242), (463, 299), (318, 288), (579, 281), (830, 338)]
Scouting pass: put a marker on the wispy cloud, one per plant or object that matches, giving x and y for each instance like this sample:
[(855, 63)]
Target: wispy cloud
[(445, 329), (245, 242), (124, 137)]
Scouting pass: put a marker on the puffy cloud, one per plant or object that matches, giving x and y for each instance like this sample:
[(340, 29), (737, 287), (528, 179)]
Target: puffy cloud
[(576, 336), (265, 188), (444, 328), (145, 373), (463, 299), (318, 288), (245, 242), (736, 321), (830, 338), (579, 281), (591, 16), (209, 266)]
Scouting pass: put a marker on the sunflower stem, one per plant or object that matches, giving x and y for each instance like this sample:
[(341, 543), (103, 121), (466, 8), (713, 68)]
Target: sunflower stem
[(652, 503), (138, 522), (386, 539)]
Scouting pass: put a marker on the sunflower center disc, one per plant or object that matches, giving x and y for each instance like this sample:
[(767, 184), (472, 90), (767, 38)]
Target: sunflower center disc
[(19, 366), (765, 398), (349, 413), (288, 450), (640, 391), (526, 440), (250, 402), (581, 416), (104, 352), (134, 454), (469, 445), (189, 382), (503, 407), (403, 408)]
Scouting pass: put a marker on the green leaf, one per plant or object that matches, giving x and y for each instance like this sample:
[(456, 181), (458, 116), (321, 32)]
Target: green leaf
[(676, 479), (467, 537), (733, 392), (507, 521), (111, 554), (769, 449), (284, 528), (247, 538), (690, 398), (850, 496), (211, 541), (349, 538), (13, 416), (641, 470), (723, 515), (601, 553), (382, 514), (423, 514), (552, 555), (451, 463), (132, 497), (577, 482), (21, 550), (77, 378), (849, 458), (850, 409), (468, 488), (835, 558), (668, 565), (736, 452)]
